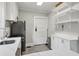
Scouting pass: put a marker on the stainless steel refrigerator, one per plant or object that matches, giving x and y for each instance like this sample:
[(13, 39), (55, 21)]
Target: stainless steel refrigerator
[(18, 29)]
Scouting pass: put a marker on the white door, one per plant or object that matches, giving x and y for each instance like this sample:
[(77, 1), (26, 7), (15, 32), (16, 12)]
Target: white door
[(40, 30)]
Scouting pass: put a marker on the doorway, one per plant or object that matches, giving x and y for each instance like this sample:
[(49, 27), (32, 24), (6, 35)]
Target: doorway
[(40, 30)]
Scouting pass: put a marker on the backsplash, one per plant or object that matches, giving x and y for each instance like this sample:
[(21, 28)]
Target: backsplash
[(68, 27), (75, 27), (7, 29), (63, 27)]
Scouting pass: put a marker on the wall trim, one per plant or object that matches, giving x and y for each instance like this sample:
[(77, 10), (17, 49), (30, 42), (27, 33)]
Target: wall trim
[(29, 44), (32, 44)]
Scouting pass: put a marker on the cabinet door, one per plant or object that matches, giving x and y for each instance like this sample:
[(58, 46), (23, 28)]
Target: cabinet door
[(12, 11), (56, 43), (52, 42), (15, 11), (2, 15), (64, 44)]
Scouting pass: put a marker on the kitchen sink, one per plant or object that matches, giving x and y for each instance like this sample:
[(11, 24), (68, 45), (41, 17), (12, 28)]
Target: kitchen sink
[(7, 42)]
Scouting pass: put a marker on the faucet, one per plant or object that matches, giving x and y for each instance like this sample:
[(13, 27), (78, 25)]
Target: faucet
[(2, 38), (6, 34)]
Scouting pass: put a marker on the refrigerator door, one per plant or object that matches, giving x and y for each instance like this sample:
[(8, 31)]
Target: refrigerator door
[(17, 29)]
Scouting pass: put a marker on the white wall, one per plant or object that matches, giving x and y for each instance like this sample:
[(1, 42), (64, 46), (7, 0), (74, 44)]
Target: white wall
[(28, 17), (51, 23)]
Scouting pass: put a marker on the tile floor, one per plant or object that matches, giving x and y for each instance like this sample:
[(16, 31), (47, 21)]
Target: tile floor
[(34, 49)]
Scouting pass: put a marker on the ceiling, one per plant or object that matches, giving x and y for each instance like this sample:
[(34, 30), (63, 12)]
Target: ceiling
[(32, 7), (46, 7)]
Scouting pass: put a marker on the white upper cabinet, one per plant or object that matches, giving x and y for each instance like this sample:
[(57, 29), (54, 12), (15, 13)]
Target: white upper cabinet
[(2, 19), (2, 15), (11, 11), (69, 14)]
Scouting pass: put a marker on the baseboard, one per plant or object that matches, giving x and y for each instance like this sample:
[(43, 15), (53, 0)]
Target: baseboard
[(29, 44), (32, 44)]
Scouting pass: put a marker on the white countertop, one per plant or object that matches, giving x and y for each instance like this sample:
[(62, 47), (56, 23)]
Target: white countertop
[(66, 35), (10, 49)]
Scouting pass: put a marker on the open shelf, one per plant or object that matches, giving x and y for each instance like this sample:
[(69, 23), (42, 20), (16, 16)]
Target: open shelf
[(75, 7), (68, 15), (63, 12), (67, 21)]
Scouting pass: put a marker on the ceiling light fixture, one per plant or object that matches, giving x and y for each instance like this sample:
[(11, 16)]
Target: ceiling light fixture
[(39, 3)]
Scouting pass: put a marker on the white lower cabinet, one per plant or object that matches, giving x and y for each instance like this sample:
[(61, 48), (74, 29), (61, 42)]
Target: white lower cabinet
[(59, 43), (64, 44), (52, 43)]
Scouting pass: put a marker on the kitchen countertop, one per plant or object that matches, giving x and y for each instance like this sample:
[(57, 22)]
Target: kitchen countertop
[(10, 49), (67, 35)]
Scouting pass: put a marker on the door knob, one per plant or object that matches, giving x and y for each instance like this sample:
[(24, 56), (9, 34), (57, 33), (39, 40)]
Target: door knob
[(35, 29)]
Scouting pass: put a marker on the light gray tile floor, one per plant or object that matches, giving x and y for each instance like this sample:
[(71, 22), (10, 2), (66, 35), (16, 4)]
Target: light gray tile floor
[(35, 49)]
